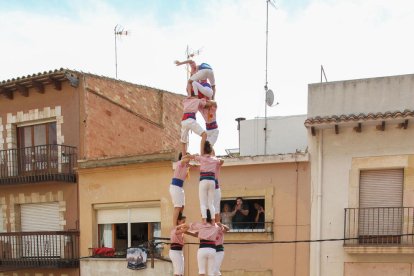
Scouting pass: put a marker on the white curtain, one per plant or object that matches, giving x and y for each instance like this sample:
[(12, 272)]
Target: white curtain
[(107, 235)]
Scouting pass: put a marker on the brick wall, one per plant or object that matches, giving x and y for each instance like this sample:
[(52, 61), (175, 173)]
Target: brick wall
[(127, 119)]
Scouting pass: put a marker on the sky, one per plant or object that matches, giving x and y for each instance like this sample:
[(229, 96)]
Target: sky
[(352, 39)]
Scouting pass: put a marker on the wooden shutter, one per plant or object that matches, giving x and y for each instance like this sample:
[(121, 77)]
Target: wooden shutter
[(380, 202), (40, 217)]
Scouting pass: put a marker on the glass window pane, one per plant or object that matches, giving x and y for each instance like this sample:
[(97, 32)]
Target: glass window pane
[(121, 238), (27, 137), (39, 135), (52, 134)]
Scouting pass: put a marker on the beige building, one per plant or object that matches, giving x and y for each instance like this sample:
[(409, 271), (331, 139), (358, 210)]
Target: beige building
[(362, 155), (125, 200), (47, 121)]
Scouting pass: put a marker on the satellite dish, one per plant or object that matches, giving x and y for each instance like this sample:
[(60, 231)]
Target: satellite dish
[(270, 97)]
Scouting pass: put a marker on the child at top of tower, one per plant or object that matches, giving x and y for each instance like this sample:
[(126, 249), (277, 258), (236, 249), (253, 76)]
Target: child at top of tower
[(198, 73), (191, 106)]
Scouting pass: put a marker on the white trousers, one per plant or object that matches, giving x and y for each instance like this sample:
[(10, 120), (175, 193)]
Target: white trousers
[(212, 135), (205, 90), (219, 261), (204, 74), (217, 199), (206, 196), (206, 257), (177, 259), (186, 126), (177, 196)]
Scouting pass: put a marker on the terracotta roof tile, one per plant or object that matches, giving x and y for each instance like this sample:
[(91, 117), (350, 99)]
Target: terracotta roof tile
[(360, 117)]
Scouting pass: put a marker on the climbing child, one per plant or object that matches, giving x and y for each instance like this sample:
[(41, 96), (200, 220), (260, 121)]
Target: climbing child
[(176, 188), (209, 115), (177, 243), (208, 166), (190, 107)]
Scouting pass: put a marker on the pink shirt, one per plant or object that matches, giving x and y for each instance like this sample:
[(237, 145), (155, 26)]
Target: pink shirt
[(181, 169), (207, 163), (176, 237), (220, 237), (209, 114), (205, 231), (191, 105)]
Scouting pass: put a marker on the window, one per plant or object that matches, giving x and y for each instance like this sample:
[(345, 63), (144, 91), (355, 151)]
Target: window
[(250, 218), (381, 206), (1, 220), (127, 227), (37, 147), (37, 135)]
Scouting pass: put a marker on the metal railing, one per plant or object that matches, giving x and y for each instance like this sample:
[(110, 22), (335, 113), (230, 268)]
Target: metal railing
[(255, 227), (58, 249), (382, 226), (39, 163)]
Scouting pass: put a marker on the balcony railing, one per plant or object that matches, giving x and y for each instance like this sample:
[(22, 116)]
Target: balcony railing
[(20, 250), (382, 226), (37, 164), (249, 227)]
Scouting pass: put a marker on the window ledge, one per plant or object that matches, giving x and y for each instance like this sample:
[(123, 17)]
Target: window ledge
[(379, 249), (248, 236)]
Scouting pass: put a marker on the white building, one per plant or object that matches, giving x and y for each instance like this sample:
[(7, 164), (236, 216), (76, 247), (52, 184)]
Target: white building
[(361, 142), (283, 135)]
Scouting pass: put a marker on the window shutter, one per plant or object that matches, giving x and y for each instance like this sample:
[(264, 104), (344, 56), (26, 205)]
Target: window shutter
[(381, 188), (380, 202), (40, 217), (135, 215)]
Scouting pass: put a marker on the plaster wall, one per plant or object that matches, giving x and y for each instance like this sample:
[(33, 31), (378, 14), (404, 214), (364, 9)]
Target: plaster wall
[(332, 158), (284, 186), (361, 96)]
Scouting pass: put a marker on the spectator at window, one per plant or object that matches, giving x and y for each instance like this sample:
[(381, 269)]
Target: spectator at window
[(227, 215), (240, 214), (260, 217)]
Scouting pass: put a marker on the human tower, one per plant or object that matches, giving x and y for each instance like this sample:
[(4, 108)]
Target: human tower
[(201, 90)]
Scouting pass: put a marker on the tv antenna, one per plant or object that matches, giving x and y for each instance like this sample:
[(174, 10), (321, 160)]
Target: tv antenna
[(323, 74), (190, 53), (269, 99), (118, 32)]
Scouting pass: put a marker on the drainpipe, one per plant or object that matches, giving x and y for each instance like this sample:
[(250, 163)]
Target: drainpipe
[(319, 203)]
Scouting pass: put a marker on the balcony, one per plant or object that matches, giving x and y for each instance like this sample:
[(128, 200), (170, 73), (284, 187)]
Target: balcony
[(38, 164), (22, 250), (379, 230)]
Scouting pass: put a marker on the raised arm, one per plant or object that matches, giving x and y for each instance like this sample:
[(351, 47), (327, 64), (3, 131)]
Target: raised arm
[(188, 61)]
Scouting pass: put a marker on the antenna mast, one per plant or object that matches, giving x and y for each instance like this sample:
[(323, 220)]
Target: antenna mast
[(118, 31), (266, 87)]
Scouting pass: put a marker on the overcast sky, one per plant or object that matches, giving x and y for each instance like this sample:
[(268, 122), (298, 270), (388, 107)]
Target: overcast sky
[(350, 38)]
